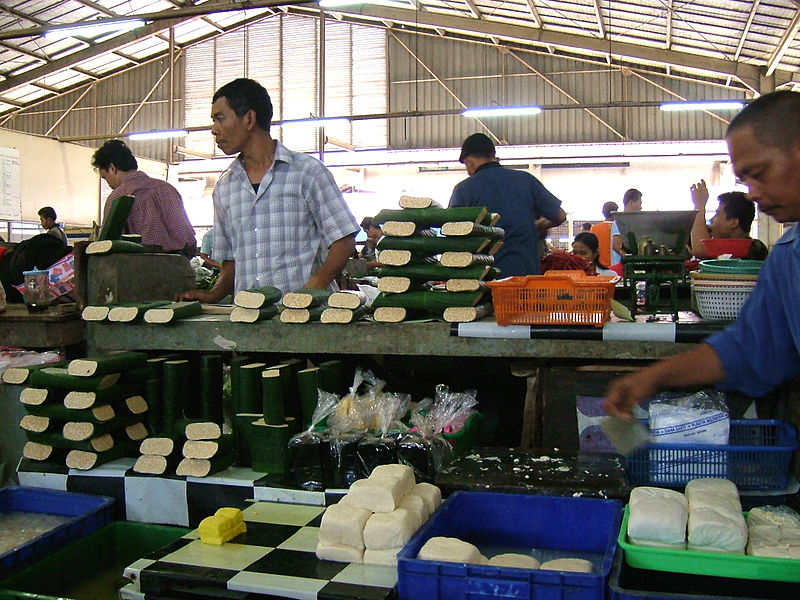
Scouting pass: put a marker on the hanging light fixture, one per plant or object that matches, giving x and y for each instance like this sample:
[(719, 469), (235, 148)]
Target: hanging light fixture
[(157, 135), (703, 105), (89, 29), (501, 111)]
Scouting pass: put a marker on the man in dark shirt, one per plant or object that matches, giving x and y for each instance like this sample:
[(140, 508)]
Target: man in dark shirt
[(518, 197)]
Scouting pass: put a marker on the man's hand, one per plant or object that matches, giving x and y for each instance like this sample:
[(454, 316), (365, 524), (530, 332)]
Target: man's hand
[(628, 391), (699, 195), (204, 296), (222, 288)]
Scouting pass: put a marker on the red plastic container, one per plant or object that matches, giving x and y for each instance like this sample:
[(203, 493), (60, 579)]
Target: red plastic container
[(737, 247)]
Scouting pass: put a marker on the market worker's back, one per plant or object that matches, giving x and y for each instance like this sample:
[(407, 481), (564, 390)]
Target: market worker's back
[(518, 197)]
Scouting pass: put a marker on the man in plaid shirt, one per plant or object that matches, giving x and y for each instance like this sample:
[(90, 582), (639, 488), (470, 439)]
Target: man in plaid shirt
[(279, 217), (157, 214)]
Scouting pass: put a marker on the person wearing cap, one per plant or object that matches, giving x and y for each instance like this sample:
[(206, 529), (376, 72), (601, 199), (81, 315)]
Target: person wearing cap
[(631, 202), (517, 196), (603, 233)]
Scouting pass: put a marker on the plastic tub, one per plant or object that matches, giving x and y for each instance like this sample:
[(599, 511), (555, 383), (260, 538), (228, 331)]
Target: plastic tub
[(757, 457), (737, 566), (89, 513), (568, 525), (119, 543), (731, 266), (630, 583)]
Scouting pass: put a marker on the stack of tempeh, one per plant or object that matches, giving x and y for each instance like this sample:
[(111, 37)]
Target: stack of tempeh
[(256, 304), (86, 413), (413, 255), (304, 306)]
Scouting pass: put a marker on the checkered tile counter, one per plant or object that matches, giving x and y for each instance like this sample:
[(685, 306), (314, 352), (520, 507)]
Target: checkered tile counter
[(274, 558), (167, 500)]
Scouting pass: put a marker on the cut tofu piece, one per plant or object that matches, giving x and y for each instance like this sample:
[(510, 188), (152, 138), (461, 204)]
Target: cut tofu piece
[(339, 553), (376, 494), (430, 494), (446, 549), (343, 525), (389, 530)]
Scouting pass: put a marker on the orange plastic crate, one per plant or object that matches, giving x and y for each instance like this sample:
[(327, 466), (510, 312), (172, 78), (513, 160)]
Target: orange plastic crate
[(555, 298)]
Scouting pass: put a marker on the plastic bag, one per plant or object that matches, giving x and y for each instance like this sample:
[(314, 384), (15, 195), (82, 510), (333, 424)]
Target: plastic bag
[(308, 449), (425, 449), (700, 418), (380, 448), (17, 357)]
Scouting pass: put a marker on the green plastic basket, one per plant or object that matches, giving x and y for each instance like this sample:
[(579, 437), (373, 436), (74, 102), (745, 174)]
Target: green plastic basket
[(731, 266), (739, 566)]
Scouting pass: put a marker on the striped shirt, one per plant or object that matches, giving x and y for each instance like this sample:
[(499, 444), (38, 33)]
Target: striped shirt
[(157, 214), (280, 235)]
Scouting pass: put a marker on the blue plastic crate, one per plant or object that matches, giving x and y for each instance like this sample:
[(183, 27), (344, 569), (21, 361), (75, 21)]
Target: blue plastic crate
[(629, 583), (757, 457), (568, 525), (89, 514)]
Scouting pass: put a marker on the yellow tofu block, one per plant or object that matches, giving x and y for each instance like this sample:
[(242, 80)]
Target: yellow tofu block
[(222, 527)]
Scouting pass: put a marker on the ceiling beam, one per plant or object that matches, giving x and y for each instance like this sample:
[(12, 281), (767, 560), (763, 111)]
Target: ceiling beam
[(746, 73), (783, 45), (473, 8), (534, 13), (601, 27), (668, 35), (746, 30)]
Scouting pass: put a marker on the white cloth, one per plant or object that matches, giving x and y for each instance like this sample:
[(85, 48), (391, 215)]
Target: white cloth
[(658, 521), (716, 530)]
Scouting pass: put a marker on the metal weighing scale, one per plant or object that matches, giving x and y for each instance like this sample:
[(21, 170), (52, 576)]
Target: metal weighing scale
[(654, 272)]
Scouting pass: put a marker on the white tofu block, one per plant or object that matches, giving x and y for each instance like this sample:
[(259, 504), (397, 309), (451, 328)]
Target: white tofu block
[(447, 549), (339, 553), (658, 520), (386, 557), (764, 534), (389, 530), (416, 506), (376, 494), (518, 561), (644, 492), (578, 565), (343, 525), (431, 494), (402, 472), (703, 499), (716, 530), (711, 485)]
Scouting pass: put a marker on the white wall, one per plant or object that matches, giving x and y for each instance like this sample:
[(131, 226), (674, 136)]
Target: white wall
[(60, 175)]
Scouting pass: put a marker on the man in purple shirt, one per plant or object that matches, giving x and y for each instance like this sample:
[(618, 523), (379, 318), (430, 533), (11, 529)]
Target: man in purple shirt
[(157, 214), (761, 349)]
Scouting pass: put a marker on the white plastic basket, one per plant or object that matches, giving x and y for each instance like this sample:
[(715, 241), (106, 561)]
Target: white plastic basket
[(718, 303)]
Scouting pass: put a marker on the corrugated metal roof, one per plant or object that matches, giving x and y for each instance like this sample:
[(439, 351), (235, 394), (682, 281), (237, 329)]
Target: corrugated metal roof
[(723, 40)]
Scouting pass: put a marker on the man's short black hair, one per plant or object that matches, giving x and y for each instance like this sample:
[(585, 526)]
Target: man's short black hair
[(632, 195), (114, 152), (608, 208), (48, 212), (247, 94), (478, 144), (366, 223), (738, 206), (774, 119)]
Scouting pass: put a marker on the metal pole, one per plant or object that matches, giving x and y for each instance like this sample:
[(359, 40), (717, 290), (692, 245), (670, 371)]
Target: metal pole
[(321, 85)]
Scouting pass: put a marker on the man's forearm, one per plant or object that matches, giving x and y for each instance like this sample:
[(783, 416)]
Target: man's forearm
[(338, 253), (224, 284)]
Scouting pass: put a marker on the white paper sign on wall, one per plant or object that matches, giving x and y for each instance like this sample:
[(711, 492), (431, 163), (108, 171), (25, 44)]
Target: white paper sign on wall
[(10, 196)]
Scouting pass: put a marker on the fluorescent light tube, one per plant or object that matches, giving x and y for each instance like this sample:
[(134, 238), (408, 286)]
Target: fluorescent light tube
[(157, 135), (324, 122), (91, 29), (501, 111), (703, 105)]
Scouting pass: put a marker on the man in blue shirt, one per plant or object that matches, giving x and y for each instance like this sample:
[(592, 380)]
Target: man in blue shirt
[(525, 206), (761, 349)]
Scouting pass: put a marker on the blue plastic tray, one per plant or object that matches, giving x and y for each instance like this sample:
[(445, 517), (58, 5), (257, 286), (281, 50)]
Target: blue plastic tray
[(89, 514), (757, 457), (570, 525)]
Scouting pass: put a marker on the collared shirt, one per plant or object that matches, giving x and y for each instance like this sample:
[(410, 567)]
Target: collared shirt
[(519, 198), (761, 349), (279, 236), (157, 214), (616, 257), (208, 242)]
